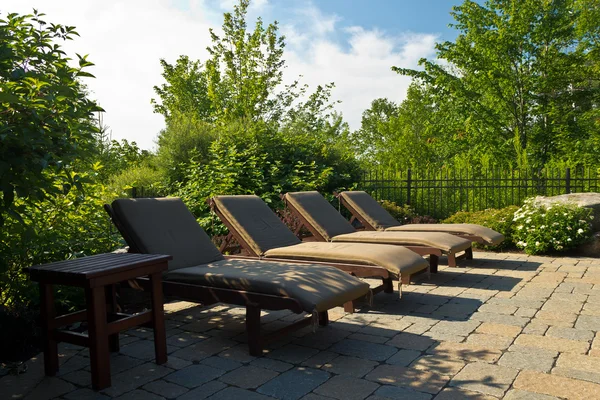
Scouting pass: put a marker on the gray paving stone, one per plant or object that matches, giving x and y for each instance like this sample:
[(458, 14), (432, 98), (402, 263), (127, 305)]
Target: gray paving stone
[(85, 394), (292, 353), (320, 359), (237, 353), (204, 349), (248, 377), (271, 364), (454, 393), (524, 395), (203, 391), (176, 363), (370, 338), (232, 393), (194, 375), (422, 381), (588, 322), (460, 328), (136, 377), (221, 363), (294, 384), (570, 333), (139, 395), (500, 319), (50, 388), (526, 360), (345, 387), (399, 393), (438, 364), (165, 389), (184, 339), (403, 358), (360, 349), (411, 342), (352, 366), (485, 378)]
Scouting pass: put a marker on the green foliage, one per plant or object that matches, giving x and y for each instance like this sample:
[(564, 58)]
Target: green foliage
[(500, 220), (115, 158), (46, 119), (403, 214), (58, 228), (557, 227)]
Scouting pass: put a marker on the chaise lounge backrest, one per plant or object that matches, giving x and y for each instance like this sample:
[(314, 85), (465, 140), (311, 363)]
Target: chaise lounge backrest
[(319, 213), (369, 209), (255, 222), (164, 226)]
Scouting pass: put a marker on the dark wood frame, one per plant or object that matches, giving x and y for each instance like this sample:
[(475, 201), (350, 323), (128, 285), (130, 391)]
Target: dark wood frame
[(358, 270), (254, 302), (452, 257), (101, 313)]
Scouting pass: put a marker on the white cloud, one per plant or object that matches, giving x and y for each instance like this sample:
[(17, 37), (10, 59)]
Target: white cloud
[(126, 39)]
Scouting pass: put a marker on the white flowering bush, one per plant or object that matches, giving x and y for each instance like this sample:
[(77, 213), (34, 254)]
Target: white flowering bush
[(539, 229)]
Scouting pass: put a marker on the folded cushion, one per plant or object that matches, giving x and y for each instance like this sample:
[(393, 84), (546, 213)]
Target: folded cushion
[(369, 209), (490, 236), (397, 260), (319, 213), (166, 226), (316, 287), (255, 222), (443, 241)]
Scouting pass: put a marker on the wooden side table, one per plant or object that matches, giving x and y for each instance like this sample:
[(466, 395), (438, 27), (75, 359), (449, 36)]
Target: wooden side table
[(98, 275)]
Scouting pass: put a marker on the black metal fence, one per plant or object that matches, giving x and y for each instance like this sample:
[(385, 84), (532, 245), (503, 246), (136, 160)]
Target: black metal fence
[(444, 192)]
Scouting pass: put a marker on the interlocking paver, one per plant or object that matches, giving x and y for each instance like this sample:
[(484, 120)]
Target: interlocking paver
[(345, 387), (398, 393), (570, 333), (491, 341), (369, 351), (440, 365), (536, 361), (498, 329), (455, 393), (552, 343), (465, 351), (411, 341), (294, 384), (248, 377), (403, 357), (422, 381), (194, 375), (352, 366), (523, 395), (557, 386), (485, 378), (578, 366), (165, 389)]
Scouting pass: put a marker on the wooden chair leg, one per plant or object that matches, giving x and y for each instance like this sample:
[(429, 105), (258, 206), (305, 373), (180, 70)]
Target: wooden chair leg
[(98, 337), (158, 319), (469, 253), (349, 307), (451, 260), (388, 285), (405, 280), (48, 314), (253, 330), (433, 263), (323, 318), (111, 299)]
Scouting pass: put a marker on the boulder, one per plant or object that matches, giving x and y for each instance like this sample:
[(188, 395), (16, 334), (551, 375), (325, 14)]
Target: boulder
[(589, 200), (591, 248)]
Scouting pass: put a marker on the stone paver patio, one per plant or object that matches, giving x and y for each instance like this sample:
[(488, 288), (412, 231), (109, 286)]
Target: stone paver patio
[(501, 326)]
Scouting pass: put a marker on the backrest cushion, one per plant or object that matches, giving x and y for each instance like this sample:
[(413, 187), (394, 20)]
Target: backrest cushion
[(320, 213), (255, 222), (369, 209), (165, 226)]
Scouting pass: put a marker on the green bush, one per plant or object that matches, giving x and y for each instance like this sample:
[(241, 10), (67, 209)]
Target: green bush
[(558, 227), (405, 214), (500, 220)]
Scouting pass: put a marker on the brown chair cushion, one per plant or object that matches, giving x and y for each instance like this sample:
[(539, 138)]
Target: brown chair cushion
[(319, 214), (443, 241), (316, 287), (258, 225), (370, 210), (165, 226), (397, 260), (489, 236)]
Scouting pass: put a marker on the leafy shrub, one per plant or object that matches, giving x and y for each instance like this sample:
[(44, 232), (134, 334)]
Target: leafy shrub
[(558, 227), (405, 214), (500, 220)]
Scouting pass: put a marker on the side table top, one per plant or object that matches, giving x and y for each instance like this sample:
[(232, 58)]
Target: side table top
[(91, 267)]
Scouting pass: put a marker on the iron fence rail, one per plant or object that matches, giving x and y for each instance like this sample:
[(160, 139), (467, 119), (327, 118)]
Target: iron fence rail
[(443, 192)]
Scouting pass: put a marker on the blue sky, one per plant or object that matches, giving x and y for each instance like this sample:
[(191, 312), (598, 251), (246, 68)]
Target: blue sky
[(349, 42)]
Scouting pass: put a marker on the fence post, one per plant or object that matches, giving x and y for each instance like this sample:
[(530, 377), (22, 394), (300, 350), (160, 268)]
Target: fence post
[(408, 186), (568, 181)]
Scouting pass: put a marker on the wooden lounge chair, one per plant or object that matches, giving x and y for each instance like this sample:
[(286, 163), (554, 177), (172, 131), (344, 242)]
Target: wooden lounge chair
[(260, 231), (326, 224), (374, 217), (199, 272)]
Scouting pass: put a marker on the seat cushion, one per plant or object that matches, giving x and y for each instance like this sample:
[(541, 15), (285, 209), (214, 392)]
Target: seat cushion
[(165, 226), (443, 241), (316, 287), (397, 260), (369, 209), (488, 236), (319, 213), (255, 222)]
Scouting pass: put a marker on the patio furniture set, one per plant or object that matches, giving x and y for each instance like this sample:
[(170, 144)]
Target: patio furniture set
[(281, 272)]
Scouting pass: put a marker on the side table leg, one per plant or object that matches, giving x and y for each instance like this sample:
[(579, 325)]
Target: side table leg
[(111, 299), (98, 334), (48, 315), (158, 319)]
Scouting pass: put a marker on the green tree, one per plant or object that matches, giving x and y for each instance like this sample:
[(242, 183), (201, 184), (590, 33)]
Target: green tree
[(46, 117), (519, 75)]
